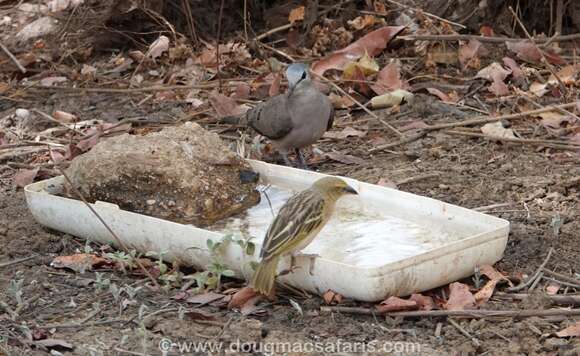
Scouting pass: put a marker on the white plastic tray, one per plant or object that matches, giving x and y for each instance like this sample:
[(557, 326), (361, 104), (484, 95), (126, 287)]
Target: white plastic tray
[(380, 243)]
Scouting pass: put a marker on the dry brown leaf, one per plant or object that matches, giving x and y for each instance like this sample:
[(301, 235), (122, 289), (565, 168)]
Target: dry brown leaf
[(241, 297), (225, 106), (414, 125), (567, 75), (492, 71), (517, 72), (395, 304), (341, 102), (470, 53), (296, 14), (389, 79), (393, 98), (530, 52), (242, 91), (492, 273), (441, 95), (64, 117), (331, 297), (486, 31), (204, 298), (499, 88), (424, 302), (79, 262), (554, 120), (460, 297), (362, 22), (483, 295), (571, 331), (441, 55), (24, 177), (157, 48), (552, 288), (496, 129), (275, 86), (372, 43), (538, 89)]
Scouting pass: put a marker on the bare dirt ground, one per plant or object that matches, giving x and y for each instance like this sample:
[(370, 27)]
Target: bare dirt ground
[(79, 313)]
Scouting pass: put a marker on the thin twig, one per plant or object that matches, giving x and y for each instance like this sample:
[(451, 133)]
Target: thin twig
[(561, 276), (17, 261), (535, 276), (573, 285), (12, 58), (564, 38), (426, 14), (455, 324), (555, 299), (475, 314), (115, 237), (548, 65)]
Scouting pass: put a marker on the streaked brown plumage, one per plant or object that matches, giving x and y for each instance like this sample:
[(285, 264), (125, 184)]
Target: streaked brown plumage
[(296, 225)]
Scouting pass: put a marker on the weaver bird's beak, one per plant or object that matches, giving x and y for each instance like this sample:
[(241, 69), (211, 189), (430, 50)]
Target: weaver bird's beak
[(349, 190)]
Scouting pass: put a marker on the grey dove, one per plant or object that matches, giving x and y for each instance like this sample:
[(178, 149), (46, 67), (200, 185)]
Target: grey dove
[(295, 119)]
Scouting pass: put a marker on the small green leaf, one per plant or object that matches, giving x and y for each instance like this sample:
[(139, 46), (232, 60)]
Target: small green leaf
[(228, 273), (209, 243), (250, 248)]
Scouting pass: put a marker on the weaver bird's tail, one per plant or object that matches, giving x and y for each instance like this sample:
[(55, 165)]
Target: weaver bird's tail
[(265, 275)]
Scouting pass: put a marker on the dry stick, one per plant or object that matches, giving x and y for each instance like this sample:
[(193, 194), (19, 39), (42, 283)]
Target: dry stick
[(550, 68), (16, 261), (389, 126), (564, 38), (475, 314), (12, 58), (535, 276), (555, 299), (523, 141), (573, 285), (561, 276), (426, 14), (116, 238)]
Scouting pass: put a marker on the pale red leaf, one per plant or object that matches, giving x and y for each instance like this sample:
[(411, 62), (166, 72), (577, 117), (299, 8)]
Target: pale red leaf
[(571, 331), (492, 273), (157, 48), (414, 125), (204, 298), (340, 102), (343, 158), (514, 67), (79, 262), (331, 297), (64, 117), (499, 88), (224, 105), (460, 297), (362, 22), (241, 297), (552, 288), (492, 71), (56, 156), (530, 52), (389, 79), (275, 86), (372, 43), (473, 49), (25, 177), (394, 304), (567, 75), (486, 31), (441, 95), (386, 182), (554, 120), (424, 302), (242, 91), (346, 132)]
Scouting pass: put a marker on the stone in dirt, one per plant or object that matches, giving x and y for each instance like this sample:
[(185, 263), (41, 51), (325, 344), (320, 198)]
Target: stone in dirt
[(184, 174)]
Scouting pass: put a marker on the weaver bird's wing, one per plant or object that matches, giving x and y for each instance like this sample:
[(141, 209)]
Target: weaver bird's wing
[(271, 118), (301, 216)]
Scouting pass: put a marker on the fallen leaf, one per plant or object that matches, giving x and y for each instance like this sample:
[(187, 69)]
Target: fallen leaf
[(242, 91), (343, 158), (79, 262), (296, 14), (567, 75), (552, 288), (251, 308), (572, 330), (499, 88), (366, 64), (530, 52), (441, 55), (460, 297), (423, 302), (517, 72), (331, 297), (470, 53), (362, 22), (389, 79), (414, 125), (158, 47), (496, 129), (538, 89), (56, 156), (493, 71), (64, 117), (493, 274), (25, 177), (224, 105), (204, 298), (275, 86), (396, 97), (554, 120), (483, 295), (486, 31), (395, 304), (372, 43), (346, 132), (241, 297), (341, 102)]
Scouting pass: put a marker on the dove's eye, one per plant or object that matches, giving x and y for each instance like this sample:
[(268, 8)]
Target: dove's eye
[(303, 75)]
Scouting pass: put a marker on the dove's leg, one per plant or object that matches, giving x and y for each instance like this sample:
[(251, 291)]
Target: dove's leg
[(301, 161), (286, 159)]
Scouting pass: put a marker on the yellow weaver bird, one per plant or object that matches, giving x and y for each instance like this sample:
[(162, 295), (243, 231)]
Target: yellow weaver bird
[(296, 225)]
